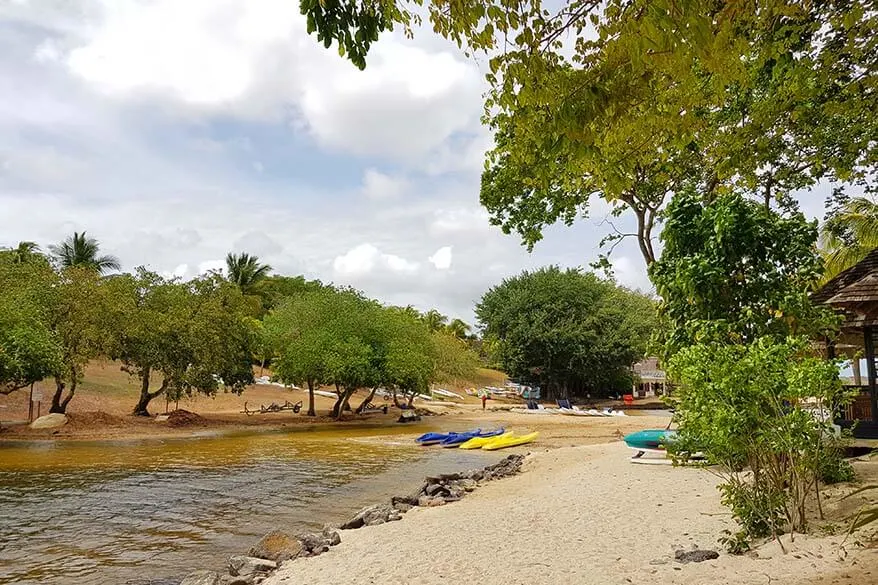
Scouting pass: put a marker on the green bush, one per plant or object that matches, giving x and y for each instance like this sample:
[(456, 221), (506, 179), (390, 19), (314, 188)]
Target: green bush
[(750, 409)]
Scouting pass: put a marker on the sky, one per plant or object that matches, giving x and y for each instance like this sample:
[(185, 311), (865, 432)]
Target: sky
[(178, 131)]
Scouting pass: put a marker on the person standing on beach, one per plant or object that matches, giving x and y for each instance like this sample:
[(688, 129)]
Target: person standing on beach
[(484, 399)]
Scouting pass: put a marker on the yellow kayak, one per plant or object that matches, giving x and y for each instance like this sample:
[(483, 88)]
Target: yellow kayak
[(479, 442), (503, 441)]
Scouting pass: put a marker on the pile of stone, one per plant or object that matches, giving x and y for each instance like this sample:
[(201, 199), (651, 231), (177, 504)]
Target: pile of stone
[(277, 548), (266, 556), (435, 491)]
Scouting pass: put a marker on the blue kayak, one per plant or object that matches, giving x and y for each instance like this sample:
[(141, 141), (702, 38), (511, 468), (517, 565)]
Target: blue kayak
[(649, 439), (460, 438), (436, 438)]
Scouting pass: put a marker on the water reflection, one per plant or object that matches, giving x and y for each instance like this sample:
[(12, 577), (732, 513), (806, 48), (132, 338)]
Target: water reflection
[(103, 513)]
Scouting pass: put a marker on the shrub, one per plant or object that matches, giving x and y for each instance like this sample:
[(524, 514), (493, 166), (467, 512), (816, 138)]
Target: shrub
[(750, 409)]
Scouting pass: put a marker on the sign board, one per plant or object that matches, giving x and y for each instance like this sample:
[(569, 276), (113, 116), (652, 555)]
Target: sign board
[(37, 396)]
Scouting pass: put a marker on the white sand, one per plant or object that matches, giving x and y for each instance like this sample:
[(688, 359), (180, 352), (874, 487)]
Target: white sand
[(577, 515)]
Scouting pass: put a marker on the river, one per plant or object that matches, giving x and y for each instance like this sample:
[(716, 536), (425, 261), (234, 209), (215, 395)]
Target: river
[(148, 512)]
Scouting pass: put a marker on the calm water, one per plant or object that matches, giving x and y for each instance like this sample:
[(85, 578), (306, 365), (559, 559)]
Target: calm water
[(151, 511)]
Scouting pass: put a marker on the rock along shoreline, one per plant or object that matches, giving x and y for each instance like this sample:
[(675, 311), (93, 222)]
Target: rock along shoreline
[(277, 548)]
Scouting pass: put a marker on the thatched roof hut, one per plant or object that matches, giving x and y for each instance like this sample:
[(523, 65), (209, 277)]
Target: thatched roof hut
[(854, 293)]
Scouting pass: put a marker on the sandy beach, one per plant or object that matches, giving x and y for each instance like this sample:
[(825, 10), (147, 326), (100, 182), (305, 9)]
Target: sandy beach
[(582, 515)]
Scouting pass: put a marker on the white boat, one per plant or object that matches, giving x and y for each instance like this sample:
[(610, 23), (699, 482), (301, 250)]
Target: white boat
[(575, 412)]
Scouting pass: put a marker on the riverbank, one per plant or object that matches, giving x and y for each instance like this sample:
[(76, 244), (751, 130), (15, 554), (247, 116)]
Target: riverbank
[(584, 515)]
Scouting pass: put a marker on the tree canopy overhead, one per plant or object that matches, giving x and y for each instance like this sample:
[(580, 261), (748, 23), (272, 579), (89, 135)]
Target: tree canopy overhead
[(631, 100), (568, 331)]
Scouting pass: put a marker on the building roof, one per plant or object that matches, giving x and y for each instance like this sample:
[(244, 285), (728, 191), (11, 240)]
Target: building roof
[(648, 370), (855, 292)]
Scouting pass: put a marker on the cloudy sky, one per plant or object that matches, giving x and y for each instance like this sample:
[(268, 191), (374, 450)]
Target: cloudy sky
[(177, 131)]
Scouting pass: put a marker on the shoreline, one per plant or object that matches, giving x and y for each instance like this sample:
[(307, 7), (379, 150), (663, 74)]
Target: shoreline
[(577, 515)]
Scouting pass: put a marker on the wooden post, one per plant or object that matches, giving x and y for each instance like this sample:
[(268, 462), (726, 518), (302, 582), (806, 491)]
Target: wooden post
[(30, 405), (869, 338), (38, 409)]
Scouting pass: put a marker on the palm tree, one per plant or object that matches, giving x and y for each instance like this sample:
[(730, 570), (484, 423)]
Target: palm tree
[(435, 320), (245, 270), (25, 252), (458, 328), (81, 250), (849, 234)]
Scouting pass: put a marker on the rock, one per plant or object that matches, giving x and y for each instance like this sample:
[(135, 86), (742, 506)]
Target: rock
[(455, 492), (161, 418), (241, 566), (201, 578), (468, 485), (229, 580), (276, 546), (437, 501), (331, 535), (435, 488), (424, 501), (402, 507), (314, 543), (506, 467), (49, 421), (695, 556), (370, 516)]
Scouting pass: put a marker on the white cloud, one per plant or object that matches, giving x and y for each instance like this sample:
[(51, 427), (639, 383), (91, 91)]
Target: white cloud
[(631, 273), (211, 266), (147, 123), (377, 185), (366, 258), (254, 59), (405, 104), (442, 258), (204, 51)]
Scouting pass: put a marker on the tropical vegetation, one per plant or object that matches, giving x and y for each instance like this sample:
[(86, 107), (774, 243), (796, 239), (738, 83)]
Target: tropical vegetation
[(180, 337), (570, 332), (81, 250)]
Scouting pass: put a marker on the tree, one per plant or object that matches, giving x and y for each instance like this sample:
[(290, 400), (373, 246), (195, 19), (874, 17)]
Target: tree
[(275, 289), (849, 233), (434, 320), (733, 271), (299, 333), (246, 271), (195, 335), (650, 98), (568, 331), (81, 313), (458, 328), (83, 251), (24, 252), (29, 350)]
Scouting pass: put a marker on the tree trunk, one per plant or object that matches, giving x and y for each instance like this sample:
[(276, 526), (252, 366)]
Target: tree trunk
[(145, 395), (58, 405), (336, 408), (347, 398), (396, 399), (359, 409), (411, 399), (855, 368), (311, 410)]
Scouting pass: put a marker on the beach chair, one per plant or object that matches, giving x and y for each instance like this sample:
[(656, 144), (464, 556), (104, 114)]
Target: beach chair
[(532, 405), (564, 403)]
